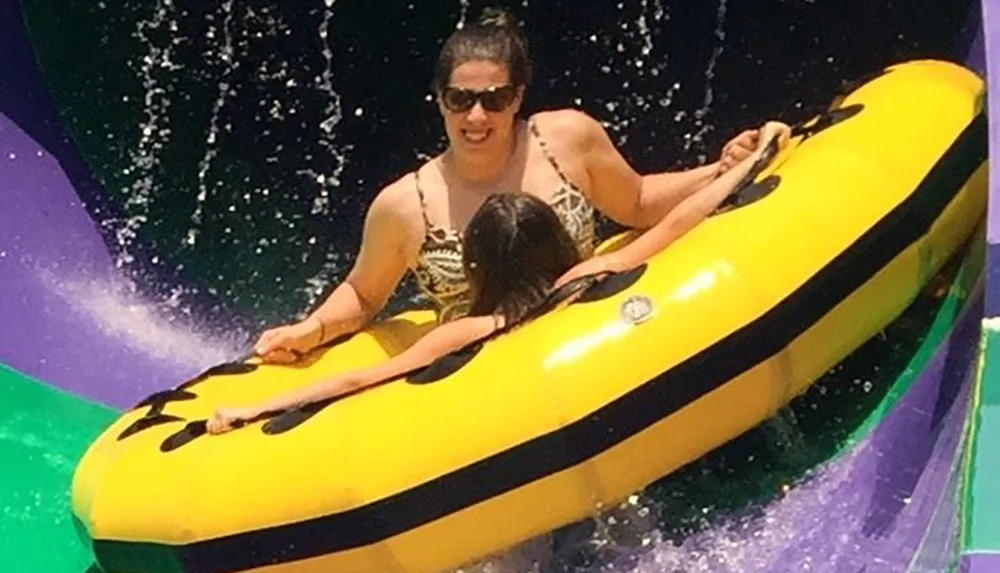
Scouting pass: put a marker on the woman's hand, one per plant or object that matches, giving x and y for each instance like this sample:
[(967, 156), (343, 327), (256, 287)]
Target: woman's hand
[(224, 419), (751, 141), (286, 344), (738, 148), (598, 264)]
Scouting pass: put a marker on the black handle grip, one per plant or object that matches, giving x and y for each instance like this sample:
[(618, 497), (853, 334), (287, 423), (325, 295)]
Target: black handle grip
[(564, 293)]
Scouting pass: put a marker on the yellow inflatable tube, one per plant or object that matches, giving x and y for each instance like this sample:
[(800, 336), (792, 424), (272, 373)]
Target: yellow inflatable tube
[(580, 408)]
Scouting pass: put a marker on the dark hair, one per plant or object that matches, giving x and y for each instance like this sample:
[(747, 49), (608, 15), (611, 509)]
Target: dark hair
[(496, 37), (515, 248)]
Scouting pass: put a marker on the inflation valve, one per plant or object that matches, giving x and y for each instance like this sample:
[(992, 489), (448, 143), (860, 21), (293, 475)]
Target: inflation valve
[(636, 309)]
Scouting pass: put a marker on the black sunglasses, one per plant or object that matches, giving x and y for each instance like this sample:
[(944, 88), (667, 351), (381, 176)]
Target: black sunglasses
[(460, 100)]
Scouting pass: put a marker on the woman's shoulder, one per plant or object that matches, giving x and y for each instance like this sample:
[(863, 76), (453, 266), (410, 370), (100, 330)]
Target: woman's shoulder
[(396, 193), (567, 125), (397, 205), (403, 193)]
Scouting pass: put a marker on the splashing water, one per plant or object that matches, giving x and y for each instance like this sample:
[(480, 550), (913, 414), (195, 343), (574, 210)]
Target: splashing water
[(463, 6), (701, 113), (145, 158), (636, 47), (141, 324), (333, 114), (632, 104), (628, 539), (230, 63), (232, 39)]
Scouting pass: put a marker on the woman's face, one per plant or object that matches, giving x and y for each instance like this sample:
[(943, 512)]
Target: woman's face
[(478, 106)]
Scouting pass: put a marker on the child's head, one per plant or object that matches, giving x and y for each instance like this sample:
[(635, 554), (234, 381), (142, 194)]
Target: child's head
[(515, 248)]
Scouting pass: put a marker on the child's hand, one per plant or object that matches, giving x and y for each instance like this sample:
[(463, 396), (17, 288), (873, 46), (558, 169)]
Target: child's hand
[(737, 149), (596, 265), (224, 419), (773, 129)]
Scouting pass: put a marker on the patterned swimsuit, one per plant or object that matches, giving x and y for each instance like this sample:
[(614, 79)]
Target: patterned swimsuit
[(439, 271)]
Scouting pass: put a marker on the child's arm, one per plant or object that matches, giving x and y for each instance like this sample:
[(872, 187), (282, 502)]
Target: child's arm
[(681, 219), (435, 344), (696, 208)]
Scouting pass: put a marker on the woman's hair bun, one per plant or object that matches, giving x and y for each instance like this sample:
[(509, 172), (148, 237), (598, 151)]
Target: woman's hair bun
[(496, 17)]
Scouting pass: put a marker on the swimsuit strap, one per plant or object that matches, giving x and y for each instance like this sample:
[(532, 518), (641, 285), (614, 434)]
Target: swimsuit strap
[(423, 202), (548, 153)]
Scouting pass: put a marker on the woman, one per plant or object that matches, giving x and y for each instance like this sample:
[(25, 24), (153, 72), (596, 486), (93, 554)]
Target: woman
[(515, 249), (563, 157)]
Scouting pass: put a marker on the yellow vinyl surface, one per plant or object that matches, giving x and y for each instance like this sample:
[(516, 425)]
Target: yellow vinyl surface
[(580, 407)]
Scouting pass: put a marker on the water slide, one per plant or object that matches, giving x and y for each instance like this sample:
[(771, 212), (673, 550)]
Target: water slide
[(169, 172)]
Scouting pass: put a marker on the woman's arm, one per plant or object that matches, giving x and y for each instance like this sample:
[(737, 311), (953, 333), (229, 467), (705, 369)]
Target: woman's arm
[(694, 209), (378, 269), (662, 192), (684, 217), (616, 189), (435, 344)]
